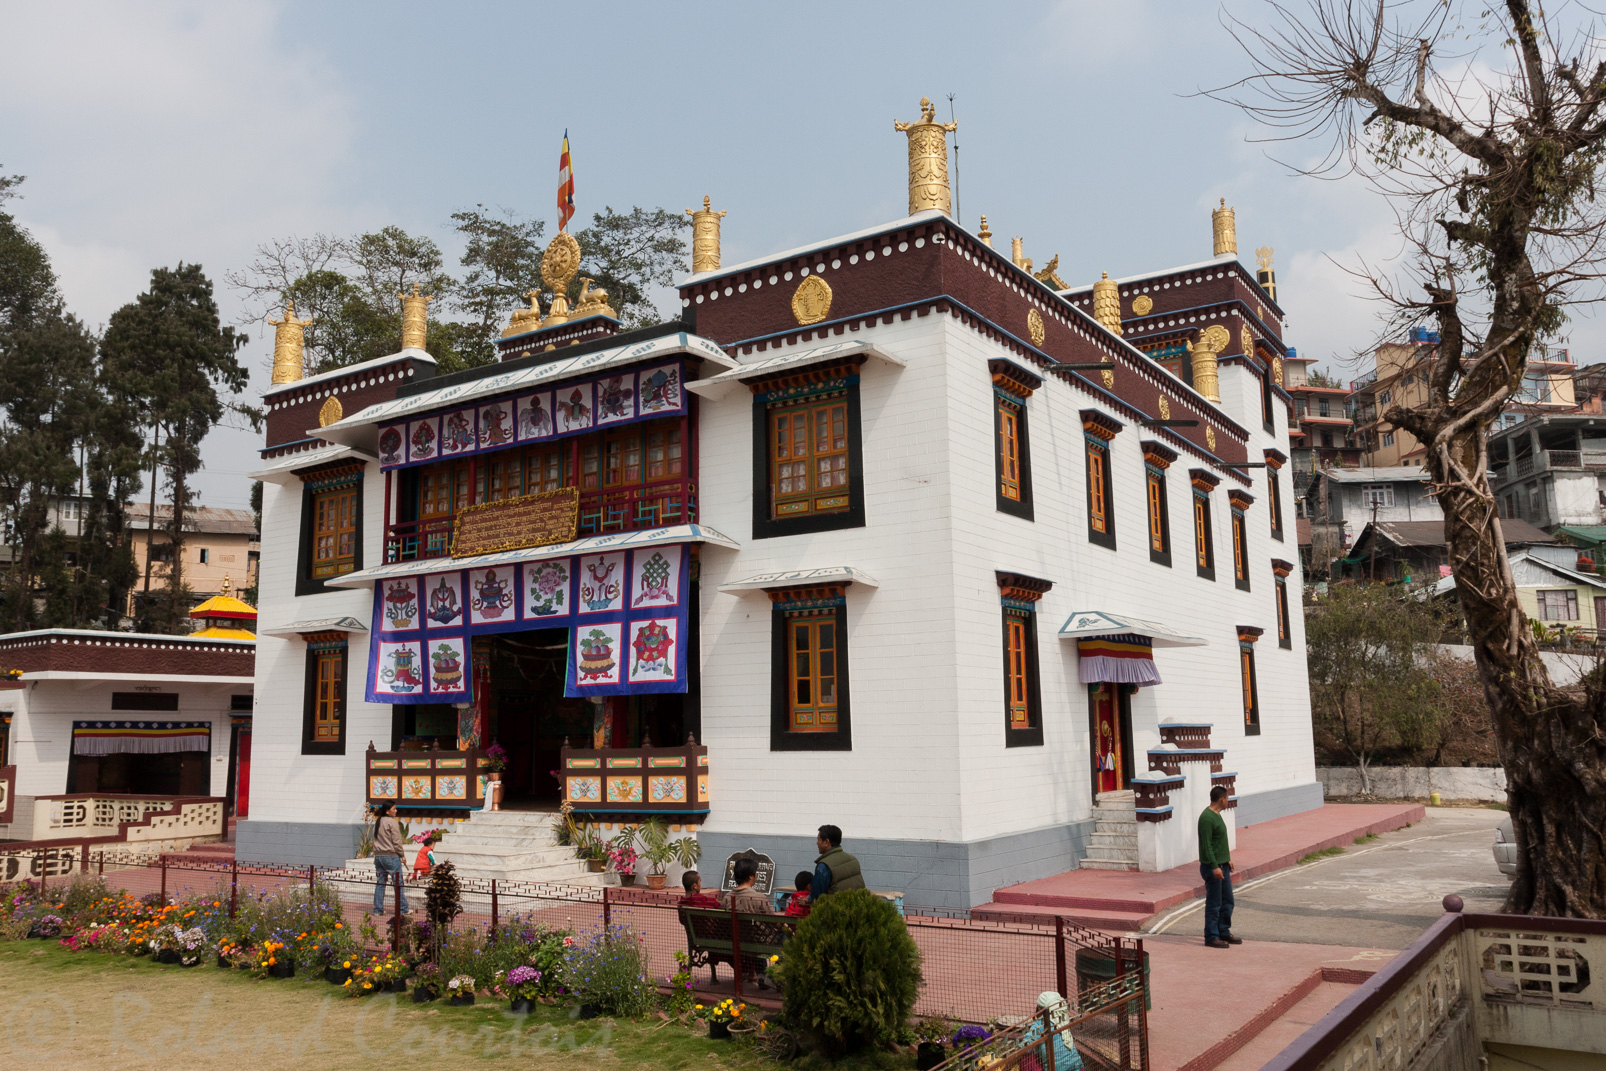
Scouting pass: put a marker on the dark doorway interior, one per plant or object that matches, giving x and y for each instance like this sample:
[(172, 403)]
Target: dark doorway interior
[(181, 773)]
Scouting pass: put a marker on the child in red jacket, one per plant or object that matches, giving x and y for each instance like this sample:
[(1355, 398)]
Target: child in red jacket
[(797, 905)]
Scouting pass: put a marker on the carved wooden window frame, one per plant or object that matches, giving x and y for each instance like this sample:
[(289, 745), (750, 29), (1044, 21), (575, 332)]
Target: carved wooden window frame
[(1098, 429), (813, 605), (1157, 459), (1023, 684), (1249, 678), (327, 650), (322, 483), (1012, 385), (810, 389)]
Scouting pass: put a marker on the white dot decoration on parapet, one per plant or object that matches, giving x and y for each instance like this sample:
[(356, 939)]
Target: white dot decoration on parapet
[(920, 243), (836, 264), (886, 250)]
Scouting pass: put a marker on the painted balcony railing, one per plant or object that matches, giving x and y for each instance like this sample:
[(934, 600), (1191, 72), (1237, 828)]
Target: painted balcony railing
[(426, 779), (648, 780), (625, 509)]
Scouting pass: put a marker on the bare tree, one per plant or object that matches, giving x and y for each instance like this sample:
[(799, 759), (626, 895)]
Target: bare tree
[(1485, 129)]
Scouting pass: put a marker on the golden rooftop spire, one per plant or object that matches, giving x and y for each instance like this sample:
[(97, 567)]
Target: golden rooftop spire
[(287, 345), (928, 159), (1224, 229), (1267, 276), (705, 238), (415, 319), (985, 235), (1017, 254), (1107, 304)]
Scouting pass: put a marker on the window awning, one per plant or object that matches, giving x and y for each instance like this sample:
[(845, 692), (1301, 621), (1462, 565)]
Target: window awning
[(830, 574), (727, 382), (679, 533), (316, 624), (283, 469), (140, 737), (1087, 624)]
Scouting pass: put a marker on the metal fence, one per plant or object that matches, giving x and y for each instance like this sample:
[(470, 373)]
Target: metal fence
[(975, 970)]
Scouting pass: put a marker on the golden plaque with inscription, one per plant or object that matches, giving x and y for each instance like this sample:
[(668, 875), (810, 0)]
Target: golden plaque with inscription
[(536, 520), (1210, 439), (812, 301), (1034, 327)]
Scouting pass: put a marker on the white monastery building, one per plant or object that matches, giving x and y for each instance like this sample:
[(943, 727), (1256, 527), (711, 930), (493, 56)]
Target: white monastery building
[(889, 531)]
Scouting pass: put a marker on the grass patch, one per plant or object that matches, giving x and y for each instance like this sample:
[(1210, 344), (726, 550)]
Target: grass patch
[(87, 1009), (1369, 838), (1325, 853)]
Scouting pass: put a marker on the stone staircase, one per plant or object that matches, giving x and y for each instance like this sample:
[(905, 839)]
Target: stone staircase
[(506, 846), (1114, 843)]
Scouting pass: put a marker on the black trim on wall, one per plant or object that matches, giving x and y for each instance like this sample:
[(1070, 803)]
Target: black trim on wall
[(1252, 722), (767, 527), (309, 701), (1206, 571), (1105, 538), (1274, 489), (1023, 507), (305, 584), (781, 736), (1163, 557), (1033, 736), (1239, 523), (1285, 625)]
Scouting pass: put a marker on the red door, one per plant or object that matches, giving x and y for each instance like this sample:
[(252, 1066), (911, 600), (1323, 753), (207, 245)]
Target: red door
[(242, 776), (1107, 740)]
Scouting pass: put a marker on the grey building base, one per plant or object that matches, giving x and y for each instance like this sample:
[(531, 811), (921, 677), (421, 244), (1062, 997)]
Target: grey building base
[(320, 843), (929, 873), (1256, 807)]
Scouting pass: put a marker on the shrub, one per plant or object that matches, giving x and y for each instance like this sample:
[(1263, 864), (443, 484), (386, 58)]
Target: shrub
[(608, 968), (852, 972), (444, 901)]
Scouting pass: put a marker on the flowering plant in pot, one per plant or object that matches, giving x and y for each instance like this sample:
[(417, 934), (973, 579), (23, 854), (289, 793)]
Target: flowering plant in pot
[(931, 1041), (461, 990), (274, 960), (720, 1017), (163, 944), (622, 858), (192, 945), (494, 762), (46, 927), (426, 983), (522, 986)]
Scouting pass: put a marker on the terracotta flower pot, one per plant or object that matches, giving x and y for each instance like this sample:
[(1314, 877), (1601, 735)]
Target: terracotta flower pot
[(493, 775), (656, 881), (595, 865)]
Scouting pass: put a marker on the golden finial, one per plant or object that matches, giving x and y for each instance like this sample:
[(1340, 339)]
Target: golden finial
[(1225, 230), (225, 585), (928, 159), (592, 302), (415, 319), (985, 235), (558, 266), (287, 345), (705, 238), (1203, 356), (1107, 304), (1267, 276), (1017, 253)]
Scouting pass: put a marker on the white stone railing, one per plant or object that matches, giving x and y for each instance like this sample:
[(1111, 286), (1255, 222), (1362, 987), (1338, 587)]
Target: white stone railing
[(90, 815)]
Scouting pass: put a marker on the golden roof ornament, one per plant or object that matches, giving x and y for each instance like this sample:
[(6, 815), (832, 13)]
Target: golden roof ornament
[(1107, 304), (288, 335), (984, 235), (1206, 378), (811, 302), (331, 412), (592, 302), (1017, 253), (1050, 276), (1224, 229), (928, 159), (525, 319), (558, 266), (705, 238), (415, 319), (1267, 275)]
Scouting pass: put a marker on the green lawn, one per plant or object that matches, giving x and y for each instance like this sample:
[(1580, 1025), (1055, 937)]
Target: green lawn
[(85, 1009)]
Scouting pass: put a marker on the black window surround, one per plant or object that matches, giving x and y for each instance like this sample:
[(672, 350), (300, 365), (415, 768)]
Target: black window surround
[(1204, 537), (1019, 595), (310, 745), (314, 481), (1012, 385), (779, 391), (1098, 429), (1285, 621), (1239, 502), (1247, 635), (782, 738), (1275, 460), (1157, 460)]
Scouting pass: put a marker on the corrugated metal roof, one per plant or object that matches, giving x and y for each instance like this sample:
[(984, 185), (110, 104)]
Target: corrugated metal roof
[(204, 520)]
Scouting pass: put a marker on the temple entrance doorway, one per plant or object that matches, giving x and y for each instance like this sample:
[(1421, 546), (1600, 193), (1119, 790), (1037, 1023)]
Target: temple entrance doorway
[(1110, 724)]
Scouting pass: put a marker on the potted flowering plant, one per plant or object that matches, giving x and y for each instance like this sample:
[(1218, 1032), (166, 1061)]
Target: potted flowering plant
[(46, 927), (461, 990), (931, 1042), (522, 985), (968, 1037), (622, 855), (494, 762), (720, 1017), (163, 944), (426, 983), (192, 945), (275, 960)]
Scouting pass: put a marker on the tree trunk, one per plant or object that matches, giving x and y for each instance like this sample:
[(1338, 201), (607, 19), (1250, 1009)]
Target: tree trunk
[(1552, 743)]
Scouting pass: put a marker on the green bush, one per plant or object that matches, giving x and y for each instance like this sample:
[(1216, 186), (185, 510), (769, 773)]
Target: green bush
[(851, 973)]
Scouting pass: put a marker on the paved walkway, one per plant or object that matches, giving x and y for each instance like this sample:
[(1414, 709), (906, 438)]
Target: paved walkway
[(1126, 899)]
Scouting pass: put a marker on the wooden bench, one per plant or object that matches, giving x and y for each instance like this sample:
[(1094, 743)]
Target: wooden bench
[(715, 935)]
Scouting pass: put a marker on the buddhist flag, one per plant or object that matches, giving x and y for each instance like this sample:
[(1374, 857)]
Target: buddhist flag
[(565, 185)]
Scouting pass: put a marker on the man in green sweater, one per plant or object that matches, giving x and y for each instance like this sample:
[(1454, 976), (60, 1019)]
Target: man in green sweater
[(1215, 866)]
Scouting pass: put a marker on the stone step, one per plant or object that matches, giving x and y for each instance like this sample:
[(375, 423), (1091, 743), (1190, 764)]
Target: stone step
[(1105, 864), (1114, 840), (510, 840), (470, 856), (568, 873), (1128, 827), (1112, 855)]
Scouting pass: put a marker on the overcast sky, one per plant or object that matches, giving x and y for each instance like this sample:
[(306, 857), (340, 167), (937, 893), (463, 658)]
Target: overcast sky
[(158, 132)]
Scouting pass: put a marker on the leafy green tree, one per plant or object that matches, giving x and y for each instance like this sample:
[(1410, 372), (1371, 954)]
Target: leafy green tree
[(169, 352), (629, 253), (1371, 653), (502, 258)]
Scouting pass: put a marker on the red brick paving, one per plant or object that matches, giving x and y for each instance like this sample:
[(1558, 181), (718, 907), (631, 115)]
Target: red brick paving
[(1126, 899)]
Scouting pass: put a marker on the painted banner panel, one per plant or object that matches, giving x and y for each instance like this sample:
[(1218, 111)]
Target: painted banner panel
[(626, 610), (517, 419)]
